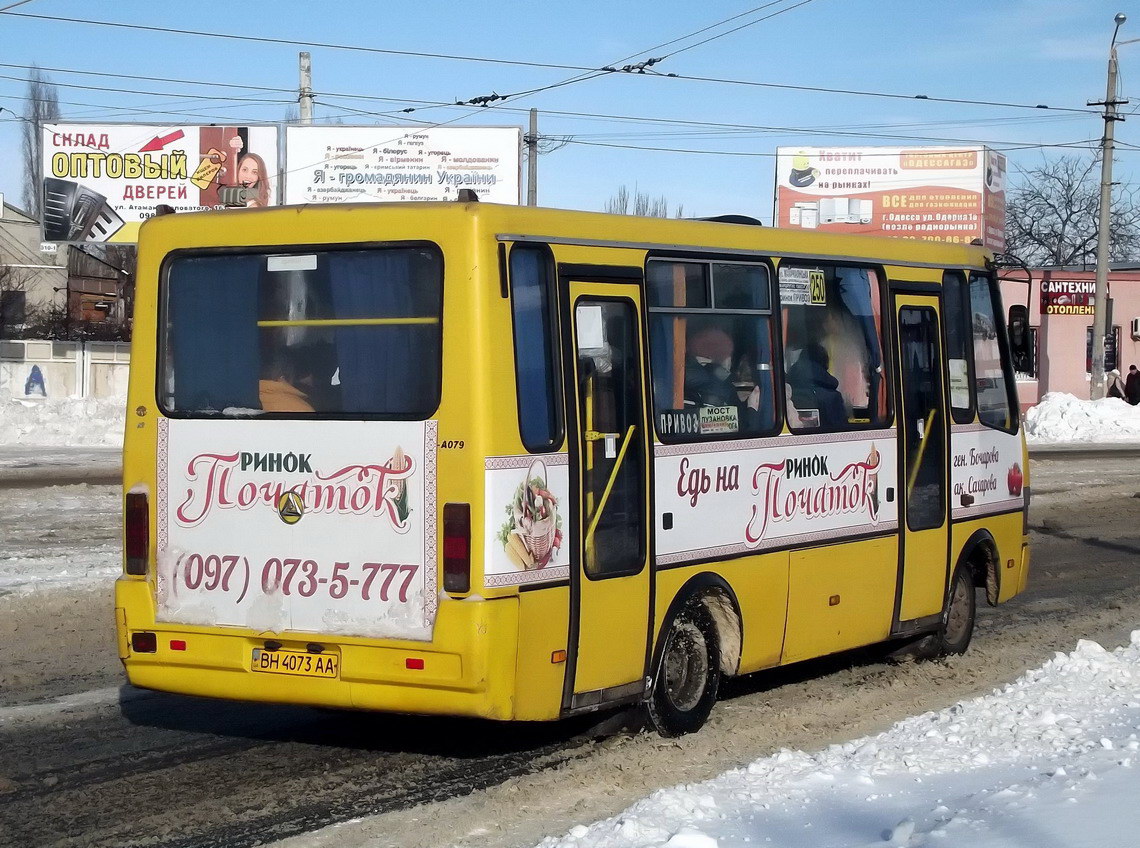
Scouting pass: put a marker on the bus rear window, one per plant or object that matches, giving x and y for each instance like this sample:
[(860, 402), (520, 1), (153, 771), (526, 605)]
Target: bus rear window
[(336, 333)]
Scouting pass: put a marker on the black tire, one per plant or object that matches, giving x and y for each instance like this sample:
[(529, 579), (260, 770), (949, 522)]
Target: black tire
[(961, 611), (688, 675)]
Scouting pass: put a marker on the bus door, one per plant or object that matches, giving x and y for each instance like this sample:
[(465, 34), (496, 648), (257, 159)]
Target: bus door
[(923, 434), (609, 471)]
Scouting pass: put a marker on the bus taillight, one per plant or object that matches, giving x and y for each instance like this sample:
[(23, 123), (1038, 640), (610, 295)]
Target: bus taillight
[(136, 514), (457, 547)]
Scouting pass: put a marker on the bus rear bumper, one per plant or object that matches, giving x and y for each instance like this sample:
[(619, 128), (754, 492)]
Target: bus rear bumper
[(467, 669)]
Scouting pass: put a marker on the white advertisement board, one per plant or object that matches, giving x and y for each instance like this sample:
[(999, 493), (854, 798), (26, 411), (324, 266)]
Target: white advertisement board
[(101, 181), (764, 493), (985, 470), (324, 527), (527, 500), (339, 164)]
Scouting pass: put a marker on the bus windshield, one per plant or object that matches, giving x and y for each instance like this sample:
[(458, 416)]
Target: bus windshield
[(332, 333)]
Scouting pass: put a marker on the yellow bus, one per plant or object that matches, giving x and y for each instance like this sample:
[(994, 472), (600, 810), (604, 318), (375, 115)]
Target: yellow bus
[(521, 463)]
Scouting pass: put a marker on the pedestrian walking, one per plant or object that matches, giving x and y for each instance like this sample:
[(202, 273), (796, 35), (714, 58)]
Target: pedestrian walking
[(1132, 386), (1115, 384)]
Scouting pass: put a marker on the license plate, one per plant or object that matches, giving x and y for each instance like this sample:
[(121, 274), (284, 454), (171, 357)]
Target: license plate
[(297, 663)]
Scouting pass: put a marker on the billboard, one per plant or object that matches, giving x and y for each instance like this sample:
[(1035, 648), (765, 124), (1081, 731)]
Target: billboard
[(339, 164), (946, 194), (101, 181)]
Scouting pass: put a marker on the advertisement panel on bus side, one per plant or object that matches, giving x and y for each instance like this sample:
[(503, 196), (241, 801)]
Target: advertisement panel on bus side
[(757, 494)]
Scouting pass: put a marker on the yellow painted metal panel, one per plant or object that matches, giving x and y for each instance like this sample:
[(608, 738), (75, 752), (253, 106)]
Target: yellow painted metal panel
[(760, 584), (840, 597), (544, 625)]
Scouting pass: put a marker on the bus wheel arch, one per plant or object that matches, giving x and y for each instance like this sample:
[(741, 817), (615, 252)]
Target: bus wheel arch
[(699, 642), (980, 556)]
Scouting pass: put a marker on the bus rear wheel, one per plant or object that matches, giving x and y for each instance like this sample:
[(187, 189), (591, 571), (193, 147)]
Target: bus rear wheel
[(689, 674)]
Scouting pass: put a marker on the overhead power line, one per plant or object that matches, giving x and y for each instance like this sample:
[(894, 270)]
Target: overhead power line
[(758, 155), (557, 66), (738, 28), (725, 126), (292, 42)]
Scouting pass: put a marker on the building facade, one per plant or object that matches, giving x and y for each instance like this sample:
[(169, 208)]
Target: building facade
[(1060, 302), (30, 279)]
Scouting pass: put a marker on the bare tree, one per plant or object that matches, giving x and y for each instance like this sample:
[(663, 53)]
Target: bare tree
[(1051, 217), (42, 108), (642, 204), (13, 298)]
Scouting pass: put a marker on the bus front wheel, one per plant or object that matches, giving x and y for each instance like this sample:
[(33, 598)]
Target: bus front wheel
[(689, 674)]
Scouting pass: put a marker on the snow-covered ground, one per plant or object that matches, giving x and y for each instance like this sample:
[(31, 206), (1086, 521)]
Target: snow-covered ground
[(1064, 418), (59, 536), (1050, 760), (69, 422)]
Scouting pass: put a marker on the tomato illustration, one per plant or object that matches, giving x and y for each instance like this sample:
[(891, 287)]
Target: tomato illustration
[(1014, 479)]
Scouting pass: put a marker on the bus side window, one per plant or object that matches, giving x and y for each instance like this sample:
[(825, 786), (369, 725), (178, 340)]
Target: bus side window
[(710, 339), (536, 349), (991, 368), (956, 320), (833, 351)]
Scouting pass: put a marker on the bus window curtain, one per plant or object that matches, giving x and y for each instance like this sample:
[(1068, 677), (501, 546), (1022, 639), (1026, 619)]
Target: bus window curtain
[(661, 359), (763, 376), (382, 368), (212, 307), (855, 291)]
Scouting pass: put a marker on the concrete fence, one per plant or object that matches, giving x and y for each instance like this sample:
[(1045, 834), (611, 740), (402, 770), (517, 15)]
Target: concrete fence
[(38, 368)]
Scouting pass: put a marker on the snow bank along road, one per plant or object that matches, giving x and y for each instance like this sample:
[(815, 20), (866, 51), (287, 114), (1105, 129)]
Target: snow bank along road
[(180, 771)]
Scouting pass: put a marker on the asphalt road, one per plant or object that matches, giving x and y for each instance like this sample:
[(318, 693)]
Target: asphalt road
[(162, 770)]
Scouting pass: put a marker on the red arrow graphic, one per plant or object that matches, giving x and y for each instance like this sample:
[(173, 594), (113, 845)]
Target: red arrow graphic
[(160, 141)]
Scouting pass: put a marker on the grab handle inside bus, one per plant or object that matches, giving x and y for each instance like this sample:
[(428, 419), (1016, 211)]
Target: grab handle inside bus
[(609, 486), (921, 451)]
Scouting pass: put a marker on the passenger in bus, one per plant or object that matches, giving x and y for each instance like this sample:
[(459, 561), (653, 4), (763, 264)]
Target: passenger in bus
[(813, 387), (277, 389), (709, 367)]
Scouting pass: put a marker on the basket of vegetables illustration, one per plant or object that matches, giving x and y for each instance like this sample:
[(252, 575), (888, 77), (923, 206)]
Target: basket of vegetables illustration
[(532, 533)]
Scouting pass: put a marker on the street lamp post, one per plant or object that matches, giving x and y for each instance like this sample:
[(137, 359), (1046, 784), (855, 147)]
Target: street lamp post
[(1100, 302)]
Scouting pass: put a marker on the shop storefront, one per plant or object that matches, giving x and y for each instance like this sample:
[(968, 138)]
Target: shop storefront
[(1060, 303)]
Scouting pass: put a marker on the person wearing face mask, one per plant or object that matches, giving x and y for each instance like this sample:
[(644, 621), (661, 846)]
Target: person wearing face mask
[(708, 368), (709, 363)]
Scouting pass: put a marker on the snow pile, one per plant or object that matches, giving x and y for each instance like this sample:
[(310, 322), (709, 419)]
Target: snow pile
[(78, 422), (1051, 757), (1061, 417)]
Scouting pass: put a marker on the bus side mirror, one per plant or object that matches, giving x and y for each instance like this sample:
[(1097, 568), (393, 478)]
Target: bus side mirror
[(1018, 327)]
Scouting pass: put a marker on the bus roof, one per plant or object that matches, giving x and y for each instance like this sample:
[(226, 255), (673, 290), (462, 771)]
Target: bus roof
[(283, 225)]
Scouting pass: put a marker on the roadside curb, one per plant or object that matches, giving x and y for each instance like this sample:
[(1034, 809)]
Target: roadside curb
[(1062, 450), (63, 475)]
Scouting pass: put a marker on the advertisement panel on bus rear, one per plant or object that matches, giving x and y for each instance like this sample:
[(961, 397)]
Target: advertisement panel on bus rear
[(324, 527)]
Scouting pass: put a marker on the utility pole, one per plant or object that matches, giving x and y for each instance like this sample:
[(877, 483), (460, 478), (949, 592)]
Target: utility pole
[(531, 140), (1100, 303), (306, 93)]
